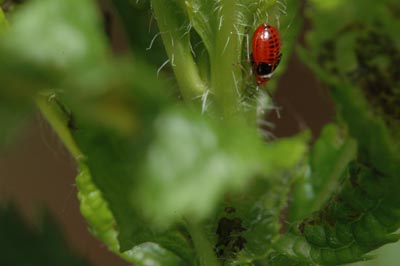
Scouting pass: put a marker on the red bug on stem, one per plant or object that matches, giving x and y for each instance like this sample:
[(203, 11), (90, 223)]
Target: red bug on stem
[(266, 47)]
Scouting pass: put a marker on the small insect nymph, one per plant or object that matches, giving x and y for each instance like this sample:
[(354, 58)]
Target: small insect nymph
[(266, 52)]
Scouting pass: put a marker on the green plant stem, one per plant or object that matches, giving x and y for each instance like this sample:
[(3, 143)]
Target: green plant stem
[(205, 253), (57, 119), (224, 60), (177, 46)]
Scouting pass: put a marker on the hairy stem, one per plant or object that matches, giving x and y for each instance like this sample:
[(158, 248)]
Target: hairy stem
[(224, 74), (177, 46)]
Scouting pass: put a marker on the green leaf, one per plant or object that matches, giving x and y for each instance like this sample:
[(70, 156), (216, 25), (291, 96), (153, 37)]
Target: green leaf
[(248, 221), (328, 161), (47, 39), (114, 231), (363, 214), (359, 218), (48, 45), (56, 33), (342, 49), (22, 245), (366, 89), (115, 159), (102, 224)]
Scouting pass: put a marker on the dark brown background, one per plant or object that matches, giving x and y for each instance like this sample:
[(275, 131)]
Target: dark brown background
[(38, 173)]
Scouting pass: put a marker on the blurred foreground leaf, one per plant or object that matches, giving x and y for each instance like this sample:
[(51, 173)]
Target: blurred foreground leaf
[(49, 42), (178, 166), (193, 162)]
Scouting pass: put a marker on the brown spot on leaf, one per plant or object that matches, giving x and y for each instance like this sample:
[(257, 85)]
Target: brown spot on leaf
[(229, 238)]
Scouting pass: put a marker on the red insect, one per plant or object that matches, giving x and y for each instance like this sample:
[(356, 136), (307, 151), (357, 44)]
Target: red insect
[(266, 47)]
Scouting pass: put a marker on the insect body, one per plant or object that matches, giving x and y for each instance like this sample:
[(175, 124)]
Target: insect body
[(266, 47)]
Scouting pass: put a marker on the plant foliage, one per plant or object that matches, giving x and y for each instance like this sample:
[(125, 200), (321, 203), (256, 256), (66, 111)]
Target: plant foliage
[(166, 180), (356, 57)]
